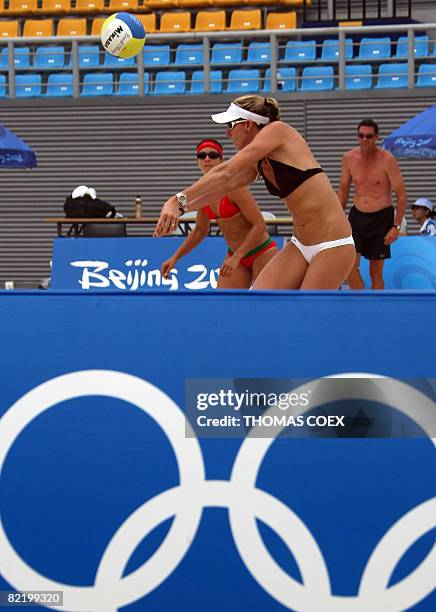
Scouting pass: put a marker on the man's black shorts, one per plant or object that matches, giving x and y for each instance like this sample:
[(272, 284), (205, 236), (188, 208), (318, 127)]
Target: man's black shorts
[(369, 230)]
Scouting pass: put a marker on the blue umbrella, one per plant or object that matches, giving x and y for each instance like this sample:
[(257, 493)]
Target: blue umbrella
[(415, 138), (14, 153)]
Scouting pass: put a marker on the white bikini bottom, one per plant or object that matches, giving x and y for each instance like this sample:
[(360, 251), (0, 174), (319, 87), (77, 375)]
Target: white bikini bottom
[(309, 252)]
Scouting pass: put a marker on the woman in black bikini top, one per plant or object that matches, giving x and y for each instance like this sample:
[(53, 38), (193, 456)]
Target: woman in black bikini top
[(322, 253)]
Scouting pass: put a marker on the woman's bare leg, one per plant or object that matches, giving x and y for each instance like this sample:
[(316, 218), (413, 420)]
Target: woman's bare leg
[(261, 260), (286, 270), (240, 278), (329, 268)]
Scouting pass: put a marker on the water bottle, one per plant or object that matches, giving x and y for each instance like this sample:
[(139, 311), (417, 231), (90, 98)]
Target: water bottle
[(138, 207)]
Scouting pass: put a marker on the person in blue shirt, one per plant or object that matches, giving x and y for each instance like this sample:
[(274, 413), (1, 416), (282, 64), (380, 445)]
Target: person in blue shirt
[(422, 211)]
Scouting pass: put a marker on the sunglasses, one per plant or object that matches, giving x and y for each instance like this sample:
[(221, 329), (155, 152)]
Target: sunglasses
[(366, 136), (210, 154), (232, 124)]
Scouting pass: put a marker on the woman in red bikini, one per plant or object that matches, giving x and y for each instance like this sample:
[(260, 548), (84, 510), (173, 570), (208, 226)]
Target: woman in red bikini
[(321, 253), (241, 223)]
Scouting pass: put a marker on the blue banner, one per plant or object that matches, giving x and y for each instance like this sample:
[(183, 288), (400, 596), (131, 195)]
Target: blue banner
[(106, 498)]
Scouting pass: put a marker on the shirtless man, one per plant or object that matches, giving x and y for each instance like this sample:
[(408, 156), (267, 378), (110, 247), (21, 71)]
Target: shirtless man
[(375, 174)]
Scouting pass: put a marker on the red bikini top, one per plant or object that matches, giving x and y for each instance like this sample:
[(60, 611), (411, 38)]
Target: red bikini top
[(226, 209)]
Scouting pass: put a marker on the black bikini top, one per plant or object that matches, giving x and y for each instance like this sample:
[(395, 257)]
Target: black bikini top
[(287, 177)]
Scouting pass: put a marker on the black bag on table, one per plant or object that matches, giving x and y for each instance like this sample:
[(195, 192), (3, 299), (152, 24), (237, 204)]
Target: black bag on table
[(86, 207)]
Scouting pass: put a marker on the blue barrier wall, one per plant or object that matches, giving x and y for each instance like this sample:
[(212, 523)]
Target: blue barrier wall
[(133, 264), (93, 450)]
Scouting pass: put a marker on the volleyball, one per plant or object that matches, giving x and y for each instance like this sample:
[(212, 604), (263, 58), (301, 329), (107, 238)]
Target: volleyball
[(122, 35)]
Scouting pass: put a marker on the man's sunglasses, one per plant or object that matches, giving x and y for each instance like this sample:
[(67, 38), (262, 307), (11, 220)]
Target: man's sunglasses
[(232, 124), (366, 136), (210, 154)]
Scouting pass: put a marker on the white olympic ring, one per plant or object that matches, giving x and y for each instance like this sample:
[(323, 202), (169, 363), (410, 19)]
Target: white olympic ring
[(240, 495)]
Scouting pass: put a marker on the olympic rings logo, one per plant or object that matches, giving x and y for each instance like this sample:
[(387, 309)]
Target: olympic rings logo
[(244, 501)]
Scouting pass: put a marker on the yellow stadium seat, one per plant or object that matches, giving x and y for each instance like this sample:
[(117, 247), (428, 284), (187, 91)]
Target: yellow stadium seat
[(246, 20), (123, 5), (38, 27), (97, 22), (148, 20), (54, 7), (207, 21), (89, 6), (195, 3), (227, 2), (21, 7), (72, 27), (9, 29), (281, 21), (175, 22), (295, 2), (160, 4)]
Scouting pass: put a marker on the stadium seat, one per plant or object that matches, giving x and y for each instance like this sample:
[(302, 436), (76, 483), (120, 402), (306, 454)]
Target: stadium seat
[(358, 76), (197, 82), (2, 86), (128, 84), (21, 7), (148, 20), (189, 54), (246, 20), (297, 51), (426, 75), (194, 3), (89, 55), (54, 7), (28, 85), (243, 81), (317, 78), (156, 55), (281, 21), (375, 48), (38, 27), (160, 4), (110, 61), (9, 29), (21, 57), (127, 6), (49, 57), (175, 22), (286, 80), (421, 47), (169, 82), (227, 3), (72, 27), (89, 6), (392, 76), (226, 53), (210, 21), (59, 85), (259, 52), (98, 84), (330, 50), (97, 22)]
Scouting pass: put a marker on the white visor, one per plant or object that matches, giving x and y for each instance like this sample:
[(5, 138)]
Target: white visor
[(236, 112)]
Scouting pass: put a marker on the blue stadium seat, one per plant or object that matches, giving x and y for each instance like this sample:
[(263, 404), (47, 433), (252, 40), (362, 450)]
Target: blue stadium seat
[(156, 55), (421, 46), (226, 53), (243, 81), (392, 76), (98, 84), (60, 85), (89, 55), (375, 48), (330, 49), (317, 78), (259, 52), (426, 75), (2, 85), (28, 85), (189, 54), (197, 82), (170, 82), (110, 61), (286, 80), (358, 76), (128, 84), (21, 57), (49, 57), (297, 51)]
